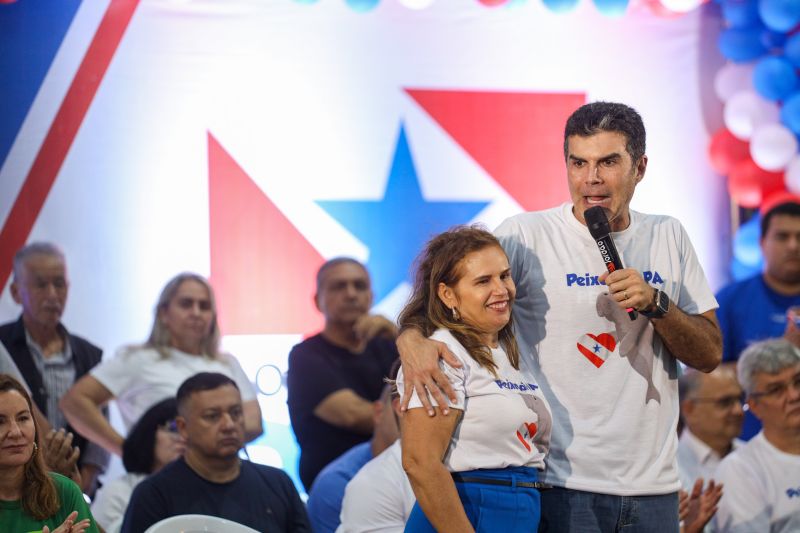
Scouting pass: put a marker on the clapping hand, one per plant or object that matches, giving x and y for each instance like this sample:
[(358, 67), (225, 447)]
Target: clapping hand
[(69, 525)]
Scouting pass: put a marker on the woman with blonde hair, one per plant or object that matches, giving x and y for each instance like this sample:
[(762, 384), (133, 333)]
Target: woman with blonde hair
[(184, 341), (475, 469), (31, 499)]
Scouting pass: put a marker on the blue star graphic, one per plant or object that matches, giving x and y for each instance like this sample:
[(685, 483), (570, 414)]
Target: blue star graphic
[(596, 348), (396, 228)]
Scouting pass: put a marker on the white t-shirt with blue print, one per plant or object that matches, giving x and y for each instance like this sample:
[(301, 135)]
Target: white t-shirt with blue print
[(506, 419)]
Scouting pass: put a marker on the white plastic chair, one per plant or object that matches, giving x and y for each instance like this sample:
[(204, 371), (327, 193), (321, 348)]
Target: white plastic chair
[(198, 523)]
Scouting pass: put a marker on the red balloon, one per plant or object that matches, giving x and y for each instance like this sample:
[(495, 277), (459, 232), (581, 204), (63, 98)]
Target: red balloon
[(661, 10), (725, 151), (493, 3), (749, 184)]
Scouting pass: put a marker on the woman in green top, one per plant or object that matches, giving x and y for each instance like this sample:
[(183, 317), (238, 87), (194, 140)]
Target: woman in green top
[(31, 499)]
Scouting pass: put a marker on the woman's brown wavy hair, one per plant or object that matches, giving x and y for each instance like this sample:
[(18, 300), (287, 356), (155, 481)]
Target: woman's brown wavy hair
[(440, 262), (39, 496)]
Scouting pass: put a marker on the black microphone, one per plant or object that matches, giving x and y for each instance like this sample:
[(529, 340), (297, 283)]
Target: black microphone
[(597, 222)]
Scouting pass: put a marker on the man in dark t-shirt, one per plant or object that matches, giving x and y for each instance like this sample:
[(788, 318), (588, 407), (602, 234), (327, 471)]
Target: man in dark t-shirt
[(210, 479), (335, 375)]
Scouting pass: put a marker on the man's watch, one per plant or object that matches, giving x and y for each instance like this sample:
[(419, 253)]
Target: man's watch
[(660, 305)]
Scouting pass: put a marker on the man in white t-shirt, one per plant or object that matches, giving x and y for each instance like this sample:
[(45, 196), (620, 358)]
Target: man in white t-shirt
[(712, 411), (379, 498), (762, 478), (611, 382)]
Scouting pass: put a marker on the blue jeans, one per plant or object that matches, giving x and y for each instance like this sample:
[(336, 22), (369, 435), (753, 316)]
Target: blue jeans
[(492, 508), (566, 510)]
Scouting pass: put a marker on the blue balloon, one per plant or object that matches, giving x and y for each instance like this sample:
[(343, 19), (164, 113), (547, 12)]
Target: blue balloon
[(779, 15), (774, 78), (362, 6), (611, 8), (746, 247), (773, 39), (560, 6), (791, 50), (740, 271), (741, 45), (790, 112), (740, 13)]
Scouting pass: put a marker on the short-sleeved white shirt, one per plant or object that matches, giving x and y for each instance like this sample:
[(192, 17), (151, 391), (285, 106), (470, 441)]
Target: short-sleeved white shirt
[(379, 498), (506, 419), (614, 416), (140, 377), (761, 490)]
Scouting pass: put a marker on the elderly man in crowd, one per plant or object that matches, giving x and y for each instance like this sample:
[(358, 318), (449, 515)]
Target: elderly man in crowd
[(50, 358), (712, 411), (762, 477)]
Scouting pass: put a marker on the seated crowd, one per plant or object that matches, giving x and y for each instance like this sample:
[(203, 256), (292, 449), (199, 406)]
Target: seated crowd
[(189, 409)]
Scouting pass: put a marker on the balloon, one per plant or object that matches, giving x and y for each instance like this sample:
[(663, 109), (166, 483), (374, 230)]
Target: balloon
[(748, 184), (741, 44), (773, 39), (362, 6), (745, 111), (416, 4), (681, 6), (774, 78), (791, 50), (772, 146), (746, 247), (658, 9), (611, 8), (725, 151), (560, 6), (732, 78), (740, 271), (492, 3), (791, 176), (740, 13), (790, 112), (779, 15)]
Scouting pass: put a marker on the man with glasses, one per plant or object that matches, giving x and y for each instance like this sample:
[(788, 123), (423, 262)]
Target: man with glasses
[(762, 477), (712, 411)]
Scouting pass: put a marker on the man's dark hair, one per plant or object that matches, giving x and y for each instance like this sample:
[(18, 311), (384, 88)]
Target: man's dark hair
[(786, 208), (138, 450), (329, 264), (201, 382), (596, 117)]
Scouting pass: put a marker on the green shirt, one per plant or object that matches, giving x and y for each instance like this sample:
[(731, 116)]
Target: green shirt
[(14, 520)]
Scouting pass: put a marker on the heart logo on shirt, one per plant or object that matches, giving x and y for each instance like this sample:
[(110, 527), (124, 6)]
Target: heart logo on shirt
[(526, 432), (597, 348)]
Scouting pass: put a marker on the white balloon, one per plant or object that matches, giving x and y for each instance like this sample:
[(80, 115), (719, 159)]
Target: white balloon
[(792, 175), (416, 4), (745, 111), (681, 6), (772, 146), (732, 78)]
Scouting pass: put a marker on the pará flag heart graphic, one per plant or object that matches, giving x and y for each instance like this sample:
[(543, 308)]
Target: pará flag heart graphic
[(597, 348)]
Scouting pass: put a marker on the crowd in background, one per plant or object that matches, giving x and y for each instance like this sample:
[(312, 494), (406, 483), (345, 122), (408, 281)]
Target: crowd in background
[(491, 411)]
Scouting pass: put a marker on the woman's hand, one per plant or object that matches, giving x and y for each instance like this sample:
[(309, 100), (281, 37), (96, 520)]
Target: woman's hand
[(70, 526)]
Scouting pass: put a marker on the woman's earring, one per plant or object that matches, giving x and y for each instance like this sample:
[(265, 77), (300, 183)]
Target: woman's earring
[(456, 314), (35, 450)]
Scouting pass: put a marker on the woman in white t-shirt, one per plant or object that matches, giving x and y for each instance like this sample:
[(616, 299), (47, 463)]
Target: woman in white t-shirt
[(476, 468), (184, 341)]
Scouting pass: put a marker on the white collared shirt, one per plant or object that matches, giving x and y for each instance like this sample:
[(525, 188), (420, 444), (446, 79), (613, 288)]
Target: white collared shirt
[(697, 459)]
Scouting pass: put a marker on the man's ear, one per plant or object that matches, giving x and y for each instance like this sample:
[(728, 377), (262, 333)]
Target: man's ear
[(641, 167), (15, 292), (316, 302), (180, 423), (446, 295)]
